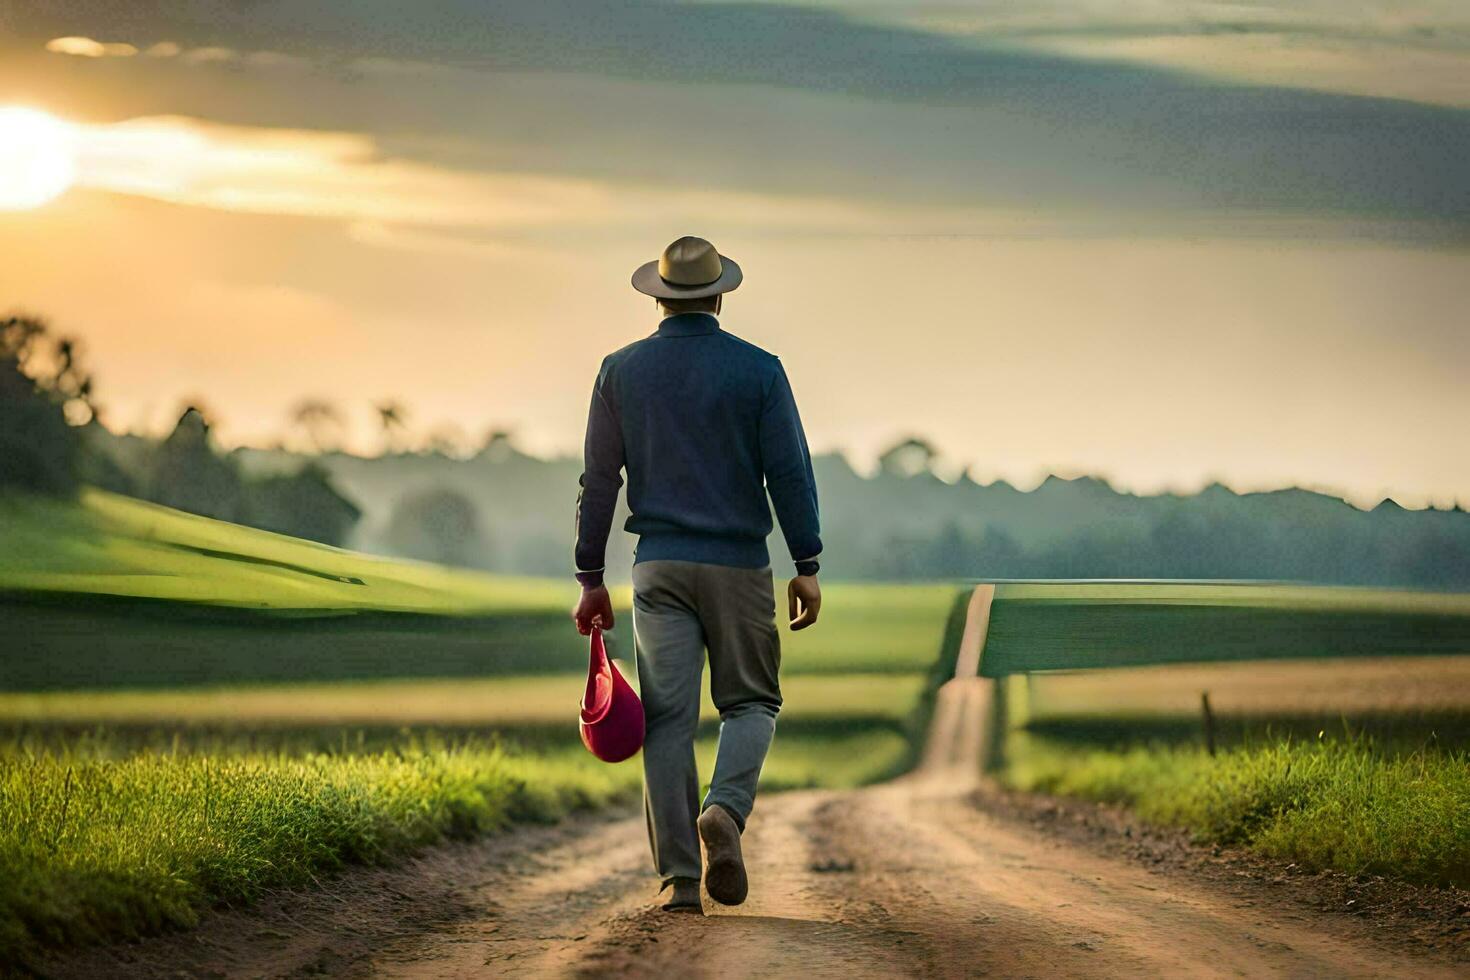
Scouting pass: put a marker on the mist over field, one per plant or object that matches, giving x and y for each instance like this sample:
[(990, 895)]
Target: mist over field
[(507, 511)]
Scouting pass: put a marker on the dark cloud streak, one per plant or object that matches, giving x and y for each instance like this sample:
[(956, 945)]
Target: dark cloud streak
[(931, 117)]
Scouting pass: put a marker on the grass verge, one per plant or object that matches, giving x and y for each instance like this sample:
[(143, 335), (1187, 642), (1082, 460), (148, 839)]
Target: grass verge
[(100, 849), (95, 848), (1338, 804), (113, 827)]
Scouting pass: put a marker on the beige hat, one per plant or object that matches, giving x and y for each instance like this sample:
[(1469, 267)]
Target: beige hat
[(688, 269)]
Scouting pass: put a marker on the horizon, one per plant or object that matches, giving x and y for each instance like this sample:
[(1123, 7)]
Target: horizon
[(1051, 239), (943, 472)]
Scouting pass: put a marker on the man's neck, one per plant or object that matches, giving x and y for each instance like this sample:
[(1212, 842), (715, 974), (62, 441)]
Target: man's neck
[(688, 324)]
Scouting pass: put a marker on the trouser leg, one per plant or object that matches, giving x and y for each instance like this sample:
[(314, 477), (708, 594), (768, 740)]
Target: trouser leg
[(669, 642), (738, 609)]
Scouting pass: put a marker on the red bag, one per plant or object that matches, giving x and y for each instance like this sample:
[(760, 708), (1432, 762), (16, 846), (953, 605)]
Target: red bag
[(612, 715)]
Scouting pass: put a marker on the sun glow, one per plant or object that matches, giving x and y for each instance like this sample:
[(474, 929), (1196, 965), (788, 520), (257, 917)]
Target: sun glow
[(37, 158)]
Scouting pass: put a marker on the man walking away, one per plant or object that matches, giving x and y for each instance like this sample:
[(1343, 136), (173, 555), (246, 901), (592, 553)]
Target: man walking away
[(705, 426)]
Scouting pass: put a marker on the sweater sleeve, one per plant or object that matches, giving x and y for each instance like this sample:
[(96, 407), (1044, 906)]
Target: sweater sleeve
[(787, 464), (601, 479)]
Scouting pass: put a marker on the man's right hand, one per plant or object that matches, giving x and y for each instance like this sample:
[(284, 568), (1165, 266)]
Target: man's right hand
[(804, 601), (593, 609)]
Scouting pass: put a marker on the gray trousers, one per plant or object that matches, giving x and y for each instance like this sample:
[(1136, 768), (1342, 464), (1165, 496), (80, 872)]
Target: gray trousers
[(680, 609)]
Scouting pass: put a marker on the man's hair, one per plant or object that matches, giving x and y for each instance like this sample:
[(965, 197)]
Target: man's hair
[(704, 304)]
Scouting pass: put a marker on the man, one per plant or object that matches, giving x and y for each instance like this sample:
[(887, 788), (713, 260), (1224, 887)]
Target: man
[(705, 425)]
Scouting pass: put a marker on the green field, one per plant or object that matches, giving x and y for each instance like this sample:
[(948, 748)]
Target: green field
[(193, 712), (1080, 625), (105, 545), (112, 592), (1360, 766)]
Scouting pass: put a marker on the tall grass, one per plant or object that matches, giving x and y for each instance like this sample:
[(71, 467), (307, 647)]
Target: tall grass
[(95, 848), (108, 834), (1339, 804)]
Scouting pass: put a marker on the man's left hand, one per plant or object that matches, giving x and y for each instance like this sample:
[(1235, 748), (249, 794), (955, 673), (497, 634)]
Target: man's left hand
[(594, 609)]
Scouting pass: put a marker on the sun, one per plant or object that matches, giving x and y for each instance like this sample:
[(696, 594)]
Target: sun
[(37, 158)]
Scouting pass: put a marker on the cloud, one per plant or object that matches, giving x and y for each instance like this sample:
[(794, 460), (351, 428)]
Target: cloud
[(209, 55), (787, 101), (275, 59), (399, 203), (390, 202), (85, 47), (1377, 48), (312, 174)]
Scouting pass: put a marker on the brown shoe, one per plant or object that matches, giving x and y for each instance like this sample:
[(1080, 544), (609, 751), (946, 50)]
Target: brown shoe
[(724, 867), (685, 897)]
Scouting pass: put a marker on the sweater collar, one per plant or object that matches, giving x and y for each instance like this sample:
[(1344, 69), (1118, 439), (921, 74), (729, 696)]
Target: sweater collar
[(688, 325)]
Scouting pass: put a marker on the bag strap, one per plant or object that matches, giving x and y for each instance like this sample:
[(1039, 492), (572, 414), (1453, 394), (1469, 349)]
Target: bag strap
[(596, 652)]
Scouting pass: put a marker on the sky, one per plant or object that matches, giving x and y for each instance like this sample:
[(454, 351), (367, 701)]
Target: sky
[(1163, 242)]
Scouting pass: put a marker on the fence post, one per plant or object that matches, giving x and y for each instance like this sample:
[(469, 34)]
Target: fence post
[(1209, 721)]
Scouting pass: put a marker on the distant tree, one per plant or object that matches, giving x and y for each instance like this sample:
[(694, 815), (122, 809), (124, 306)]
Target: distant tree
[(43, 394), (998, 555), (187, 474), (320, 423), (392, 421), (438, 525), (304, 504), (908, 457), (499, 445), (949, 553), (97, 465)]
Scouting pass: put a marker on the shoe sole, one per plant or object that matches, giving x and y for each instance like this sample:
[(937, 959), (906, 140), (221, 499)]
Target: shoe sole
[(724, 868)]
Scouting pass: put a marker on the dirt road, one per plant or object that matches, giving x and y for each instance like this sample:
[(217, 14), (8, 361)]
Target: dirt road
[(911, 878), (907, 879)]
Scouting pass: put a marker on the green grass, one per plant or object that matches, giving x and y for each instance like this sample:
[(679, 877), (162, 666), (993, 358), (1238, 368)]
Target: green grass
[(1328, 804), (873, 628), (97, 848), (1072, 625), (1358, 765), (107, 545), (126, 812), (854, 755), (108, 835), (110, 592), (502, 702), (107, 591)]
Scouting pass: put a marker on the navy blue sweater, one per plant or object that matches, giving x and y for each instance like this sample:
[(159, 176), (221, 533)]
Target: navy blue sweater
[(705, 425)]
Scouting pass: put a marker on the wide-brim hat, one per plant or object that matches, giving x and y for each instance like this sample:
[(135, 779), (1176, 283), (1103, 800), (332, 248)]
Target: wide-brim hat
[(688, 269)]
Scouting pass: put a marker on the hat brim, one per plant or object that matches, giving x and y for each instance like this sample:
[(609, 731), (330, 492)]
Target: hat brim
[(647, 281)]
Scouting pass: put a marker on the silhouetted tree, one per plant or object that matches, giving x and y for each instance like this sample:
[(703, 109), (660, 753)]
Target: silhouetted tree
[(304, 504), (392, 418), (320, 422), (41, 388), (499, 446), (908, 457), (187, 473)]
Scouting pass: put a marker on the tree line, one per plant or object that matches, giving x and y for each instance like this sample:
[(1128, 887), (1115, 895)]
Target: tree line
[(495, 507)]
